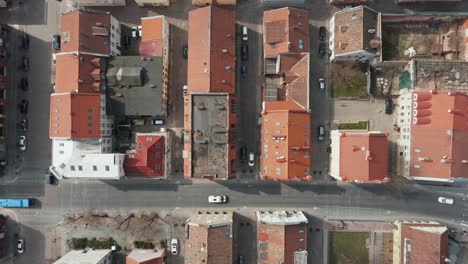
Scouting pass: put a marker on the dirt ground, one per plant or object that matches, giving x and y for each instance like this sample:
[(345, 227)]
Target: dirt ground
[(123, 228)]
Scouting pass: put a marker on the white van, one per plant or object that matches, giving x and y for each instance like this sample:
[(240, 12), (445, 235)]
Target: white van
[(245, 37), (251, 159)]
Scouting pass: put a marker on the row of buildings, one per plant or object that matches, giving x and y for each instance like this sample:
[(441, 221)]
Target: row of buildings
[(143, 3), (95, 87), (281, 237)]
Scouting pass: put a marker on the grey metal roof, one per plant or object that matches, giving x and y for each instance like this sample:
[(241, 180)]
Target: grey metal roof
[(283, 2), (135, 86)]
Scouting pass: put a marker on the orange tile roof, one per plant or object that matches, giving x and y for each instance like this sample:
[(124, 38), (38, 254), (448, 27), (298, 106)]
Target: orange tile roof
[(212, 50), (147, 160), (85, 31), (285, 153), (439, 132), (75, 116), (363, 156), (283, 28), (152, 36), (296, 70), (351, 29), (79, 73), (428, 244)]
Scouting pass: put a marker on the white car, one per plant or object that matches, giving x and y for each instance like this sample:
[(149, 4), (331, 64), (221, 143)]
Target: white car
[(134, 32), (139, 31), (245, 35), (445, 200), (22, 143), (20, 246), (251, 159), (217, 199), (174, 246), (322, 83)]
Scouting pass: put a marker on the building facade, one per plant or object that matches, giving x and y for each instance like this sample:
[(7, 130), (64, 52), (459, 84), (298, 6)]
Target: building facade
[(433, 132), (355, 35), (359, 156)]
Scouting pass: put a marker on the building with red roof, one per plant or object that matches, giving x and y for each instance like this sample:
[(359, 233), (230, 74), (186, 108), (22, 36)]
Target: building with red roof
[(359, 156), (209, 238), (421, 242), (74, 116), (80, 73), (146, 256), (212, 52), (282, 237), (90, 32), (148, 159), (433, 134), (286, 30), (285, 140)]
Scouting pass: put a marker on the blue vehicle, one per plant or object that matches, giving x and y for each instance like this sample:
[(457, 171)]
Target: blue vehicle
[(244, 71), (15, 203)]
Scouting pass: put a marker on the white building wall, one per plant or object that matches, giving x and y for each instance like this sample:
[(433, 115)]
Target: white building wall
[(107, 122), (100, 2), (115, 38), (331, 39), (335, 154), (404, 141), (95, 166), (153, 2)]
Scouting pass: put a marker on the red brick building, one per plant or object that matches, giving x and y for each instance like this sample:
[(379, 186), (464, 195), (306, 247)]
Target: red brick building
[(209, 238), (420, 242), (282, 237), (148, 157), (359, 156), (212, 52), (285, 142)]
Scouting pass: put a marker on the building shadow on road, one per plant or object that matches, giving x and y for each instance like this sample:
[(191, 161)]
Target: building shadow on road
[(143, 185)]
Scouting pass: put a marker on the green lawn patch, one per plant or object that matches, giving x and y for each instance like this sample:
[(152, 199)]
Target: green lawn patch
[(361, 125), (348, 80), (348, 248)]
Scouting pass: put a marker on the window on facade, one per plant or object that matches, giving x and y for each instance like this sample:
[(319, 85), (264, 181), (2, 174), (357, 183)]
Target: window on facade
[(90, 132), (158, 167), (94, 168), (107, 168), (80, 168), (61, 144), (61, 152), (90, 110), (90, 124), (72, 168)]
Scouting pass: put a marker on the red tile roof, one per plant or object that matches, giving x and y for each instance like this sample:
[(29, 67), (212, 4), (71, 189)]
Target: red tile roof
[(212, 50), (85, 31), (147, 160), (284, 28), (75, 116), (428, 243), (439, 131), (285, 141), (152, 36), (296, 76), (363, 156), (79, 73)]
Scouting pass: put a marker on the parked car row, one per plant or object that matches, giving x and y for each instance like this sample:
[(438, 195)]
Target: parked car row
[(322, 50)]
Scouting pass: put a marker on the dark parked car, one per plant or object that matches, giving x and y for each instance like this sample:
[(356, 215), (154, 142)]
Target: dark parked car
[(388, 106), (24, 41), (322, 50), (24, 84), (245, 52), (56, 42), (126, 41), (24, 106), (243, 154), (24, 125), (185, 51), (244, 71), (24, 64), (322, 33)]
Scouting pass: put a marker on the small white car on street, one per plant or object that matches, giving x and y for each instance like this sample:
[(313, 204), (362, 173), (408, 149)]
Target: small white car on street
[(217, 199), (22, 143), (251, 159), (174, 246), (445, 200), (20, 246)]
